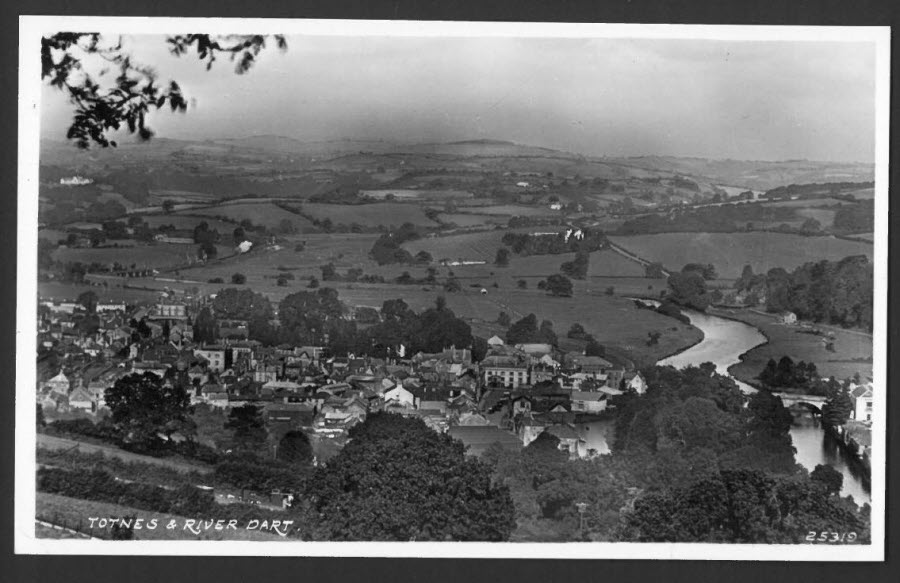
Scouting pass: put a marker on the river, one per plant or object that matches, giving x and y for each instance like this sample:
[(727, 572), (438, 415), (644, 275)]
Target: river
[(724, 341)]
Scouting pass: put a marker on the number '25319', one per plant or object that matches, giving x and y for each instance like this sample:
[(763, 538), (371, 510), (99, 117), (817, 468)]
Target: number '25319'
[(830, 536)]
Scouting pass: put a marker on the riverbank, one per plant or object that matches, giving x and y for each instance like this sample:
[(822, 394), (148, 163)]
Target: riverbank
[(652, 304), (852, 351)]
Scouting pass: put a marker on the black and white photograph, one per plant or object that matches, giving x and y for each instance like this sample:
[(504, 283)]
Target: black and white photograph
[(391, 288)]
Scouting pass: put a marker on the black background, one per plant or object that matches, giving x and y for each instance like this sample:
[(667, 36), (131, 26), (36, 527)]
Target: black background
[(251, 569)]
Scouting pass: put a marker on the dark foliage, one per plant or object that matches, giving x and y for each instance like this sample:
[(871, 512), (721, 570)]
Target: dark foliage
[(397, 480)]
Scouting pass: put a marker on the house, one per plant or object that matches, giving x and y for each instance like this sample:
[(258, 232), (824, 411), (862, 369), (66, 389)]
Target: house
[(588, 401), (152, 366), (495, 341), (788, 318), (529, 428), (504, 371), (536, 351), (478, 438), (861, 395), (568, 438), (470, 418), (60, 383), (266, 372), (636, 382), (214, 355), (400, 395), (169, 311), (289, 414), (589, 364), (80, 399), (103, 307)]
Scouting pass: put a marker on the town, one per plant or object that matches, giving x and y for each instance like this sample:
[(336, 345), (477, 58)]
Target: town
[(513, 394)]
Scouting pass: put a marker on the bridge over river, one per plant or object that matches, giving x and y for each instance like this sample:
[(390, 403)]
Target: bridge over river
[(810, 401)]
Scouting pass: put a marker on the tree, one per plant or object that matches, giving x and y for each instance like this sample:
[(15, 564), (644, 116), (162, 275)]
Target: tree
[(523, 331), (104, 104), (740, 506), (837, 408), (143, 407), (831, 479), (313, 283), (88, 300), (576, 331), (238, 278), (168, 205), (502, 257), (522, 284), (207, 250), (294, 448), (397, 480), (578, 267), (594, 348), (452, 285), (303, 314), (205, 327), (707, 271), (559, 285), (689, 290), (503, 320), (248, 427), (811, 225)]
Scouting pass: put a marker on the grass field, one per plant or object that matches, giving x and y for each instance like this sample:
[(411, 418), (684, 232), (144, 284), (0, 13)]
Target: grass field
[(863, 194), (51, 442), (853, 350), (370, 215), (155, 255), (613, 320), (804, 203), (480, 246), (260, 213), (730, 252), (824, 216), (517, 210), (188, 221), (74, 513), (471, 220)]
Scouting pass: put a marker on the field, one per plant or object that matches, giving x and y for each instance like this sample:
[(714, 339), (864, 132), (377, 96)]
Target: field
[(74, 513), (824, 216), (513, 210), (266, 214), (730, 252), (805, 202), (853, 350), (481, 246), (369, 215), (156, 255), (612, 320), (471, 220), (186, 221), (863, 194)]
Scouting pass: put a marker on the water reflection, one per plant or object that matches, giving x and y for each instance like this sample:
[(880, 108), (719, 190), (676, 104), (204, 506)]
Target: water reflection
[(815, 447)]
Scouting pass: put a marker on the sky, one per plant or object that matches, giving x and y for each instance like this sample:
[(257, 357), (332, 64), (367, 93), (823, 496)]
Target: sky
[(748, 100)]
